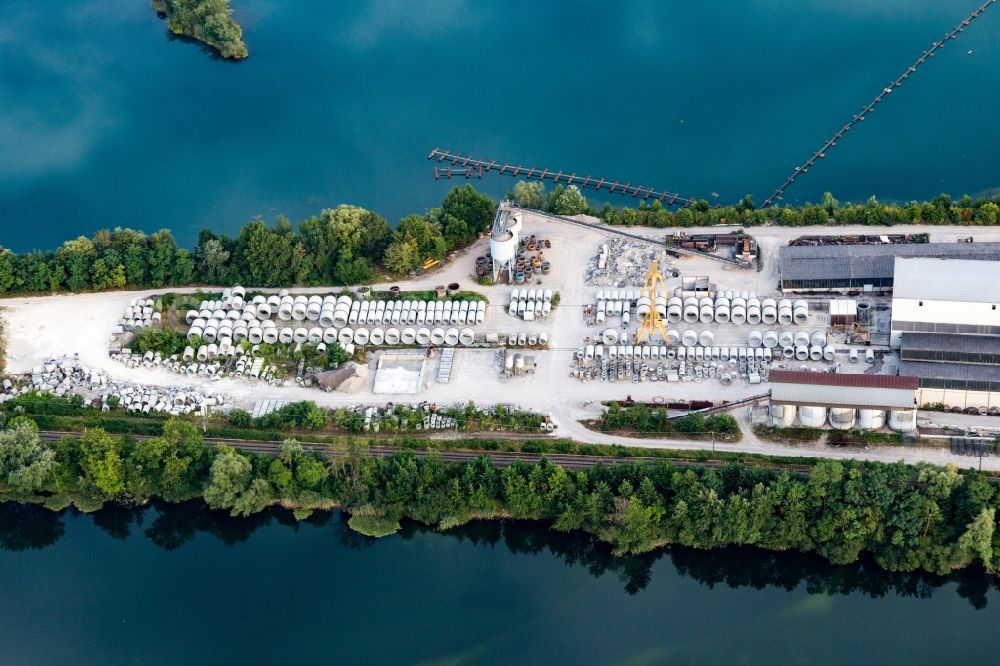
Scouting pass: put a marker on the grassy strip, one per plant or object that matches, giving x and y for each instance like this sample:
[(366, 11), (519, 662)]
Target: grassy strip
[(788, 435)]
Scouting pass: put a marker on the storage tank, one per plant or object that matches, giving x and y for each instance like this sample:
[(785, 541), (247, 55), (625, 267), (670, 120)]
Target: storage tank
[(812, 416), (770, 339), (842, 418), (503, 246), (782, 416), (800, 312), (689, 338), (871, 419), (903, 420), (706, 338), (755, 339), (829, 353)]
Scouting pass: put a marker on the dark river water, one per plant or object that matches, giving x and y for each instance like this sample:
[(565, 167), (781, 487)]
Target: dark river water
[(105, 121), (183, 585)]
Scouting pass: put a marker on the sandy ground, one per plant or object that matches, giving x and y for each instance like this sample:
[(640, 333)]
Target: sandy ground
[(45, 326)]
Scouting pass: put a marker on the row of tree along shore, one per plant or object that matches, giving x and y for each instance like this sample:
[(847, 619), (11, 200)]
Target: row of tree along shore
[(906, 517), (350, 245)]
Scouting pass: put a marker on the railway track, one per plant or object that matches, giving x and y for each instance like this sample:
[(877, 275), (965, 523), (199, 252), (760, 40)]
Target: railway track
[(500, 459)]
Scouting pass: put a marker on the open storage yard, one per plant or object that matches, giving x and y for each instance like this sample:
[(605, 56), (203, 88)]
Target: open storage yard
[(577, 359)]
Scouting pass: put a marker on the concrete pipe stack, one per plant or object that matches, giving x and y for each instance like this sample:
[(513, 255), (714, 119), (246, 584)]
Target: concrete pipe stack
[(691, 310), (768, 311), (753, 311), (738, 310), (723, 313), (800, 312), (785, 312), (675, 309)]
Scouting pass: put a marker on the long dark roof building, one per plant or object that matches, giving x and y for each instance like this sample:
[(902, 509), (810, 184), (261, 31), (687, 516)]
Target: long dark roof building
[(831, 267)]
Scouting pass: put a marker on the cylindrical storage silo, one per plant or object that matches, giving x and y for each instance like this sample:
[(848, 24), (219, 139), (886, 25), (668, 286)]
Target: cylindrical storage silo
[(437, 336), (361, 335), (815, 353), (706, 338), (673, 337), (818, 338), (801, 353), (842, 418), (329, 335), (903, 420), (376, 336), (829, 353), (408, 336), (811, 416), (782, 416), (738, 315), (770, 339), (755, 339), (871, 419), (689, 338)]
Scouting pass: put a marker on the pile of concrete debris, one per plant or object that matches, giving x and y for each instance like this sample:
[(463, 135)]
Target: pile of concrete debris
[(66, 376), (620, 263)]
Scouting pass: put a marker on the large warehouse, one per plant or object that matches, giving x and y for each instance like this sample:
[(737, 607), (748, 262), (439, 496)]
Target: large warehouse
[(866, 268), (946, 325), (845, 400)]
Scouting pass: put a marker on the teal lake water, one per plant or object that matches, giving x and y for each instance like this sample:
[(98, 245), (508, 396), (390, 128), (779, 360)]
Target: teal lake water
[(105, 121), (181, 585)]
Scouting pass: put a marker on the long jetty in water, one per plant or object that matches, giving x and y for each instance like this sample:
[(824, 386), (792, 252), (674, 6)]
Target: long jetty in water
[(870, 107), (470, 167)]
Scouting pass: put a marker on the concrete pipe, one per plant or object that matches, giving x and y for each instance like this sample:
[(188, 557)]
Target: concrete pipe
[(248, 317), (737, 300), (786, 339), (543, 338), (673, 337), (340, 318), (753, 316), (188, 354), (377, 336), (190, 316), (738, 315), (286, 335), (609, 336), (722, 315), (456, 317), (829, 353), (344, 300), (313, 311), (391, 336), (515, 294), (326, 318), (481, 315), (706, 338), (734, 353), (437, 336), (423, 336), (451, 337), (407, 337), (200, 322), (422, 316), (355, 315), (801, 338), (691, 314), (755, 339), (213, 351), (770, 339), (202, 354), (546, 309), (512, 309), (706, 315), (522, 339), (219, 314), (818, 339), (802, 353), (467, 337), (210, 335), (816, 353), (768, 315), (241, 333), (643, 306), (689, 338), (372, 317), (194, 332), (300, 335), (784, 316), (205, 313), (270, 336), (273, 300), (361, 335), (285, 312), (629, 351), (315, 335), (329, 335), (239, 291), (788, 352), (784, 304)]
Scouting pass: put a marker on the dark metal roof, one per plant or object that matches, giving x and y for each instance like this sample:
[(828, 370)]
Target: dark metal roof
[(951, 342), (860, 262), (846, 380), (957, 371)]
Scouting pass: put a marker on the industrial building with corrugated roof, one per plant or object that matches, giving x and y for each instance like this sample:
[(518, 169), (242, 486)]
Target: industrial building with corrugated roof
[(852, 400), (863, 267), (946, 325)]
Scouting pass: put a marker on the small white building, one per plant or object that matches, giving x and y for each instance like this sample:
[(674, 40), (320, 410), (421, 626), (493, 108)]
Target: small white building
[(945, 296)]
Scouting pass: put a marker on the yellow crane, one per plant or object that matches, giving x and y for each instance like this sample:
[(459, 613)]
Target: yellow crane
[(652, 321)]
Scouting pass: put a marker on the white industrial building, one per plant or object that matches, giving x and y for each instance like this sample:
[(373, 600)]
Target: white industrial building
[(946, 325), (846, 401)]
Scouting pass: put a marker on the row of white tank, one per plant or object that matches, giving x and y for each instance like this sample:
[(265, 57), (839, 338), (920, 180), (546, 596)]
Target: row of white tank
[(269, 333), (720, 310), (842, 418), (663, 352), (333, 311), (530, 303)]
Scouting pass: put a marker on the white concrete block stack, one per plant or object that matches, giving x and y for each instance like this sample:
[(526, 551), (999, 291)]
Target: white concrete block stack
[(529, 304)]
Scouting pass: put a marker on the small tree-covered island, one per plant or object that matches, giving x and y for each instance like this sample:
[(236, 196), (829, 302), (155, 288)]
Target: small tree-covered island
[(206, 21)]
